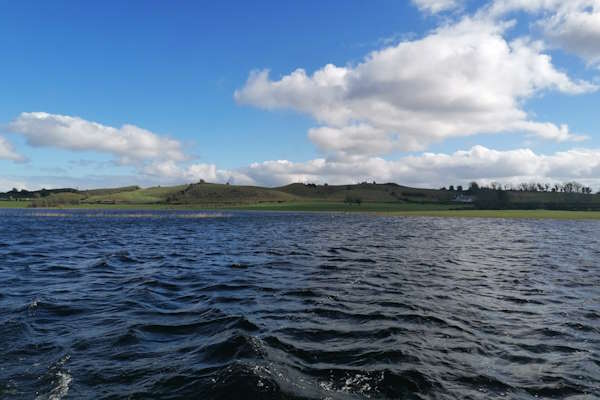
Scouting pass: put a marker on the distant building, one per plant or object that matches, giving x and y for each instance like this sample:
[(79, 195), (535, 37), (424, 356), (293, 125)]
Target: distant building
[(461, 198)]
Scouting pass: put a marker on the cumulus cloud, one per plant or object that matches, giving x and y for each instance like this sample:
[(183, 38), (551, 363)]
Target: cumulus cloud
[(129, 144), (8, 152), (436, 6), (462, 79), (157, 159), (577, 31), (573, 25)]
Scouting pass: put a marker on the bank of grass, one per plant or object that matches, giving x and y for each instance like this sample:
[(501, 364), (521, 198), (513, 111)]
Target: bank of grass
[(314, 206), (126, 206), (14, 204), (343, 207), (509, 214), (384, 209)]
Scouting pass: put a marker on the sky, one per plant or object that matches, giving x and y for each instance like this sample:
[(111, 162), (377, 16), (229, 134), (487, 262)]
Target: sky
[(425, 93)]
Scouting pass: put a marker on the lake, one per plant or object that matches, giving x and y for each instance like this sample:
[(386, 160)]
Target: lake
[(243, 305)]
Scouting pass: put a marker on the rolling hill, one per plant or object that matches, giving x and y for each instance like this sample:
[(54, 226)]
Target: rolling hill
[(387, 196)]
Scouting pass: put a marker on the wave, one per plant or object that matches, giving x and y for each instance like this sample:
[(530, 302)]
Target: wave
[(262, 306)]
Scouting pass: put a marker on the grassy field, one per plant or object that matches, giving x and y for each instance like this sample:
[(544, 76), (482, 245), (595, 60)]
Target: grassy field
[(384, 209), (151, 195), (14, 204), (518, 214), (342, 207)]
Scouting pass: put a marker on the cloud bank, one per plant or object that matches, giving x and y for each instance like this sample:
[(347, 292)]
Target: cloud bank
[(438, 169), (426, 170)]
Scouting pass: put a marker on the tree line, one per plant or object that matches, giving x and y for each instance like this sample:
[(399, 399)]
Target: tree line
[(531, 187)]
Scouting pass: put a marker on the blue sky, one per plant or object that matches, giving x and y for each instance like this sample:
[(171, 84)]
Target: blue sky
[(171, 70)]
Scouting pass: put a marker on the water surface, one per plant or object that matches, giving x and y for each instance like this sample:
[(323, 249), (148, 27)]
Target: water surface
[(240, 305)]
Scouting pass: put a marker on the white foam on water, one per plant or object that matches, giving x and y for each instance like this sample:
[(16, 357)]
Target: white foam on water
[(33, 304), (359, 383), (62, 388), (32, 307), (155, 215), (49, 214), (61, 382)]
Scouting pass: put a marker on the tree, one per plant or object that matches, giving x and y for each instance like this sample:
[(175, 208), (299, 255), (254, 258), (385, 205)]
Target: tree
[(492, 199), (473, 187), (459, 188), (451, 188), (352, 200)]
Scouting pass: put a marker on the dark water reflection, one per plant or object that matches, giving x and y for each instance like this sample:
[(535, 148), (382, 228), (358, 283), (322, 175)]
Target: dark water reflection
[(294, 306)]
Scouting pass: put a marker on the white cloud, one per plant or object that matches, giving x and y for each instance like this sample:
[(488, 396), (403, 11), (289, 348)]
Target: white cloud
[(129, 143), (8, 152), (577, 31), (573, 25), (7, 184), (436, 6), (169, 171), (460, 80)]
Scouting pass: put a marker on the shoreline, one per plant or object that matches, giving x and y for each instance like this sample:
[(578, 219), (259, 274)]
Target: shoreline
[(377, 209)]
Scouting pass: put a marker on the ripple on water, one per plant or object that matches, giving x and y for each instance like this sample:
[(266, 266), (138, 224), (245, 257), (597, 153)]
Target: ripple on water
[(174, 305)]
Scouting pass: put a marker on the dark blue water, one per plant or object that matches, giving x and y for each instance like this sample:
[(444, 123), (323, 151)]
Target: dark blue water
[(110, 305)]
